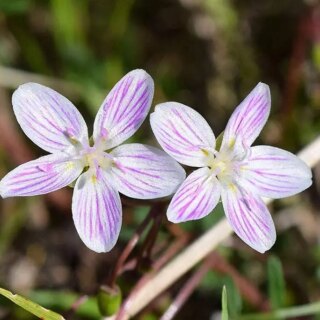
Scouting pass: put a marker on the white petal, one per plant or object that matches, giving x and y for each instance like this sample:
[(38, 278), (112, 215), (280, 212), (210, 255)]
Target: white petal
[(145, 172), (249, 217), (49, 119), (96, 210), (40, 176), (183, 133), (124, 109), (248, 118), (275, 173), (196, 197)]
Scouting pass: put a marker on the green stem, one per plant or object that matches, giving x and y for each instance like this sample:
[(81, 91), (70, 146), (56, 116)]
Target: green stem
[(292, 312)]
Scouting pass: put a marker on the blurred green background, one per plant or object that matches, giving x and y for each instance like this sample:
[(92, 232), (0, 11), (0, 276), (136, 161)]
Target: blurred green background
[(207, 54)]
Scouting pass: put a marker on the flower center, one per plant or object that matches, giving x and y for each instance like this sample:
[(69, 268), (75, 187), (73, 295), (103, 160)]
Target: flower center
[(94, 158), (225, 165), (221, 166)]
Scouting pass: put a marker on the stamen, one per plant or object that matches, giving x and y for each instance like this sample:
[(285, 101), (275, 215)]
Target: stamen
[(206, 152)]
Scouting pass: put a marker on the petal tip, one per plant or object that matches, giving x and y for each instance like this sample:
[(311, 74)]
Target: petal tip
[(22, 88), (264, 89), (100, 247), (2, 194), (172, 218), (142, 74), (266, 246)]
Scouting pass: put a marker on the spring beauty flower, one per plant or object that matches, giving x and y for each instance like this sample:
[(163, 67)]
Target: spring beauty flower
[(237, 173), (139, 171)]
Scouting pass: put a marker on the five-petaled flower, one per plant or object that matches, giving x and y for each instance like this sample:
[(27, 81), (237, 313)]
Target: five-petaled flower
[(238, 173), (136, 170)]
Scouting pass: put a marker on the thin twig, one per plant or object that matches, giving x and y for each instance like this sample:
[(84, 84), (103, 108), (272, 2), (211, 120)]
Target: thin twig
[(164, 258), (146, 247), (75, 306), (195, 252), (131, 244), (187, 289)]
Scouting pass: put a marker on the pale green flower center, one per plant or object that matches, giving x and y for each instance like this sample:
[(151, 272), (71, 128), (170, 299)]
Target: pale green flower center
[(225, 165), (94, 157)]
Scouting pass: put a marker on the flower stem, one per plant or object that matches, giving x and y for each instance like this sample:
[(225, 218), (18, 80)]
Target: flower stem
[(146, 248), (187, 289), (131, 244)]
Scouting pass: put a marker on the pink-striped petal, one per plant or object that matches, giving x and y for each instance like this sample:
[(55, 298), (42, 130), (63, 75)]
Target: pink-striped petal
[(249, 217), (124, 109), (40, 176), (275, 173), (183, 133), (145, 172), (197, 197), (49, 119), (96, 210), (248, 118)]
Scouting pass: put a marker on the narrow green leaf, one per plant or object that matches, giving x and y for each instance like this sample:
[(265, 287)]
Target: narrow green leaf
[(69, 25), (224, 314), (234, 298), (31, 306), (276, 283)]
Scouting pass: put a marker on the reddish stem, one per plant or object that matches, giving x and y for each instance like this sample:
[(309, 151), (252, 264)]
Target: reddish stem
[(187, 289), (149, 241), (131, 245), (295, 63), (75, 306)]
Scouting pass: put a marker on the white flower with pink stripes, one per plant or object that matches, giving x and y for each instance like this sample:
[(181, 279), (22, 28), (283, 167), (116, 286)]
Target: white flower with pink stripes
[(237, 173), (53, 123)]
